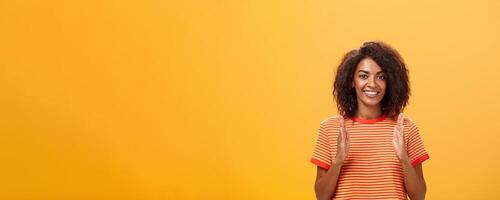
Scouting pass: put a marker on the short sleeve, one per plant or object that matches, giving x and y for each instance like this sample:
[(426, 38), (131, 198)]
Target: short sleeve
[(414, 144), (322, 153)]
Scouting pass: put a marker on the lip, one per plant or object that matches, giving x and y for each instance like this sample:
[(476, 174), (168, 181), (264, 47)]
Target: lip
[(370, 93)]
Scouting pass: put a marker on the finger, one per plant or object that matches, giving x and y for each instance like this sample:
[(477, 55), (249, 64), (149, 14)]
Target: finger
[(395, 144), (342, 126), (344, 129), (401, 119), (348, 143), (396, 136), (346, 134), (400, 122), (397, 130), (341, 130), (341, 122)]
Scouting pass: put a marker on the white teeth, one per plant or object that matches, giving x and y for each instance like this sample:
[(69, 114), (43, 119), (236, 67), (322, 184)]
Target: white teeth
[(371, 93)]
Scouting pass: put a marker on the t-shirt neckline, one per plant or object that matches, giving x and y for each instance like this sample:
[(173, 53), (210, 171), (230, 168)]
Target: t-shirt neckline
[(369, 121)]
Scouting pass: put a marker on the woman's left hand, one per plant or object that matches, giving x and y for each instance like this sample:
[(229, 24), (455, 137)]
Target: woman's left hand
[(398, 140)]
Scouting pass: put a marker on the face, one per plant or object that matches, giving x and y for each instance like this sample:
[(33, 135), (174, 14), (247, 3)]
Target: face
[(369, 82)]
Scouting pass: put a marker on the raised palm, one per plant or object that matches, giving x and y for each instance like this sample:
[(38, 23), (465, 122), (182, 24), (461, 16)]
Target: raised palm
[(342, 143), (398, 139)]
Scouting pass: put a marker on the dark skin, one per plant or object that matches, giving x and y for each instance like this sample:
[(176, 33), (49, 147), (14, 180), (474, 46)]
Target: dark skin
[(369, 77)]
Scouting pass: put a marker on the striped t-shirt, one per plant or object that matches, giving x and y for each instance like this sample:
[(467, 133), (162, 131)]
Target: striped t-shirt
[(372, 169)]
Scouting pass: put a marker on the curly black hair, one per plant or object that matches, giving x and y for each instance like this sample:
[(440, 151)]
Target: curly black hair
[(396, 75)]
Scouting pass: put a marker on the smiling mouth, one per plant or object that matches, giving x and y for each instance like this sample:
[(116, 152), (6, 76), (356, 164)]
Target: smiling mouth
[(371, 93)]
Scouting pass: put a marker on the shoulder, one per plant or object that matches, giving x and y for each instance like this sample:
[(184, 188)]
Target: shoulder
[(331, 122), (409, 122), (410, 126)]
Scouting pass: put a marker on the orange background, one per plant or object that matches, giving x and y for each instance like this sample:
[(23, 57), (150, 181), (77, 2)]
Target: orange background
[(223, 99)]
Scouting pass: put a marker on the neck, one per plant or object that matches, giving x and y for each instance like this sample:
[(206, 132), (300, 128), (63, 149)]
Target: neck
[(368, 112)]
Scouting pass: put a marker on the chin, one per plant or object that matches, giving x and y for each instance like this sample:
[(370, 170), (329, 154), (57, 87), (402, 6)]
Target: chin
[(372, 103)]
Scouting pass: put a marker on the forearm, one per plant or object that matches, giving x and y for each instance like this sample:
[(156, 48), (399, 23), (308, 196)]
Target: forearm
[(414, 184), (326, 186)]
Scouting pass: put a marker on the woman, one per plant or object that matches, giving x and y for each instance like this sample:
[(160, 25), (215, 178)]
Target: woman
[(370, 151)]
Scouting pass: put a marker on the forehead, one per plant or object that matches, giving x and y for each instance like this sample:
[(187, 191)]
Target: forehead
[(369, 65)]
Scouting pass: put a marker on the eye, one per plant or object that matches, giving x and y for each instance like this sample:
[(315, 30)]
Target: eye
[(381, 77), (363, 76)]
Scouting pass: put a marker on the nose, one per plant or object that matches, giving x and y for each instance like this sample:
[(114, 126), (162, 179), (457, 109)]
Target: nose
[(371, 82)]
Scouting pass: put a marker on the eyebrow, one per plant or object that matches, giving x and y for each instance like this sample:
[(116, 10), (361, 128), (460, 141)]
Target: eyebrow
[(369, 72)]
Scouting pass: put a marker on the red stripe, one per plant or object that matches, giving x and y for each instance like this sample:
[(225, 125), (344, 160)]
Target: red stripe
[(420, 159), (320, 163)]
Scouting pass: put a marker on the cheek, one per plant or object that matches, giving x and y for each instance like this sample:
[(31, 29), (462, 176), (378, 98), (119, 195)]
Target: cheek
[(383, 86), (357, 83)]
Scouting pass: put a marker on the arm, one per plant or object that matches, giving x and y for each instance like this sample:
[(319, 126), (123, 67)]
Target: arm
[(414, 180), (413, 177), (326, 181)]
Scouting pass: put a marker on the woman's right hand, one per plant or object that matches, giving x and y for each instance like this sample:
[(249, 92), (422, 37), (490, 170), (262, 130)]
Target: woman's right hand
[(342, 144)]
